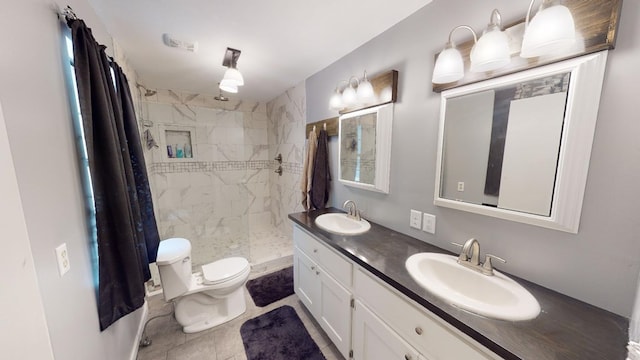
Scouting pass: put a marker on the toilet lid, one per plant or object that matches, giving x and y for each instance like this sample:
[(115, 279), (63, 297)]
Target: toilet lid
[(225, 269)]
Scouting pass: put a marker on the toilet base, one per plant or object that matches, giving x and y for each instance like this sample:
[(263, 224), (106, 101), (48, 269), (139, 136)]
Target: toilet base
[(198, 312)]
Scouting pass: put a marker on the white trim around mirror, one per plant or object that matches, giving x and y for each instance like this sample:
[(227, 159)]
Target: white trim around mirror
[(384, 125), (583, 99)]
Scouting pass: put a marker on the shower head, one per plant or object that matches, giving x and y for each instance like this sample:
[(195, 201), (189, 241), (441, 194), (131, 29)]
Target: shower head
[(221, 97), (147, 92)]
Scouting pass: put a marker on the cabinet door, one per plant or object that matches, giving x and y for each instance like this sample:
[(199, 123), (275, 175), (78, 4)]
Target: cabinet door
[(306, 281), (374, 340), (335, 312)]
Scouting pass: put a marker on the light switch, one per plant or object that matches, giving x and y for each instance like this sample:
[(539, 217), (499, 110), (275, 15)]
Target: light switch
[(415, 220)]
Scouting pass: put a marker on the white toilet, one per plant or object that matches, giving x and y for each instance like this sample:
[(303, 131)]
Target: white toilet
[(204, 299)]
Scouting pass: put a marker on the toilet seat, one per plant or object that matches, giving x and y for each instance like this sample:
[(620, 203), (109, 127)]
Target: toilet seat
[(224, 270)]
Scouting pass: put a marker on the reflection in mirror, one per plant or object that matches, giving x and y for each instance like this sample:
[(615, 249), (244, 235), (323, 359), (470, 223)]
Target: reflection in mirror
[(365, 148), (358, 148), (501, 145), (517, 147)]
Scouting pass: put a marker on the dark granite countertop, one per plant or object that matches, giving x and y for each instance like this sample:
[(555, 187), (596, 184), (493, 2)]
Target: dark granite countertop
[(565, 329)]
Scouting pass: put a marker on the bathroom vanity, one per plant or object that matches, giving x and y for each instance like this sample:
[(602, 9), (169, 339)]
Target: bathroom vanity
[(359, 291)]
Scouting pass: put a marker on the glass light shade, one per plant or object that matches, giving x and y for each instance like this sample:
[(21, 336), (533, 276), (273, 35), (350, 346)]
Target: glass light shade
[(449, 67), (551, 30), (228, 87), (335, 103), (365, 92), (232, 74), (349, 96), (491, 52)]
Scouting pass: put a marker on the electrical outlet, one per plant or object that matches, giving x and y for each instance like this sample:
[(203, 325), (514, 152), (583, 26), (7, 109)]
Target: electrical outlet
[(460, 185), (415, 220), (429, 223), (63, 259)]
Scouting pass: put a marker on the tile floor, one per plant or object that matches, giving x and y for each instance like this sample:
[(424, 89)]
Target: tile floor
[(223, 342)]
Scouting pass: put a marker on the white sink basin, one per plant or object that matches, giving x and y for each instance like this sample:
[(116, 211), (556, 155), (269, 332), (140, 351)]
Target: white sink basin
[(339, 223), (497, 296)]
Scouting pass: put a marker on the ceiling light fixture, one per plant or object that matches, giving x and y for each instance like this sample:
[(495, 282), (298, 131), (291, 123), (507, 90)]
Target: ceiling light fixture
[(232, 77)]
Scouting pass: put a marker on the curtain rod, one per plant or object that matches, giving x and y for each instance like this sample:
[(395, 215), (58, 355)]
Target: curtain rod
[(68, 14)]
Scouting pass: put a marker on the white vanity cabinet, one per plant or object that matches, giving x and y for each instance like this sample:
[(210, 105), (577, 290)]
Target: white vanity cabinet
[(433, 338), (367, 319), (322, 281), (374, 340)]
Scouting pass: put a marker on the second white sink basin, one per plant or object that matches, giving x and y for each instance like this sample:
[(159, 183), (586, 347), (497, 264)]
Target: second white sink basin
[(497, 296), (339, 223)]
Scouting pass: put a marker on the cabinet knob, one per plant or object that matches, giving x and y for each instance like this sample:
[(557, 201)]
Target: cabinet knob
[(418, 330), (317, 272), (313, 268), (408, 357), (315, 250)]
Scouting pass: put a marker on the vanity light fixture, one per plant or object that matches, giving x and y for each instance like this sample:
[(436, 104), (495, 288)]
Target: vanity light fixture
[(365, 92), (359, 92), (349, 95), (232, 77), (335, 103), (491, 52), (551, 29), (449, 65)]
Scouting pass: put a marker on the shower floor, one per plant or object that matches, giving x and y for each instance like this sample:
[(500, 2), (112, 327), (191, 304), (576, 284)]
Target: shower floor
[(269, 245)]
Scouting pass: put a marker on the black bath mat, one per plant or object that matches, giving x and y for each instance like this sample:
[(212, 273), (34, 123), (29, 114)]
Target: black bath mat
[(278, 335), (271, 287)]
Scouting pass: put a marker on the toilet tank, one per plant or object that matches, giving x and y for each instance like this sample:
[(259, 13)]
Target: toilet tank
[(174, 265)]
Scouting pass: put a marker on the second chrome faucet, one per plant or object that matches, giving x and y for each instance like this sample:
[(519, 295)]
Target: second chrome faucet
[(352, 210), (470, 257)]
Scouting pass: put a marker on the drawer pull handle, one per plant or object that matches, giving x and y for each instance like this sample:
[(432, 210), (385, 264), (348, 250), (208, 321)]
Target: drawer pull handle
[(419, 330), (408, 357)]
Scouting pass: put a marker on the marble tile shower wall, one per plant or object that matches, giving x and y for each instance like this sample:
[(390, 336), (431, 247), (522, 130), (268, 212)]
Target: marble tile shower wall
[(216, 197), (286, 130)]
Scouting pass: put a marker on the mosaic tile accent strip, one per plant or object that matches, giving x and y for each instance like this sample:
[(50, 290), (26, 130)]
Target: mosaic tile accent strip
[(292, 168), (208, 166)]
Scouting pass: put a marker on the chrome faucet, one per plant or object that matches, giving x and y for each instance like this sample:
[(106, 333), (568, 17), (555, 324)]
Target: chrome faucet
[(352, 210), (470, 257)]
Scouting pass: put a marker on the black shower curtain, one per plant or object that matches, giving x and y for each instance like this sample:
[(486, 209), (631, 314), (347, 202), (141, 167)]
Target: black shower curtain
[(127, 233)]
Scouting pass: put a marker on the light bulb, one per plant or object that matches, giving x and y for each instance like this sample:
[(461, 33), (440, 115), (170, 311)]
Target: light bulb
[(491, 52), (550, 30), (233, 75), (449, 66)]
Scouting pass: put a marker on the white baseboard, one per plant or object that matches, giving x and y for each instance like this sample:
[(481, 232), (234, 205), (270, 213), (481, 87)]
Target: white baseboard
[(143, 320)]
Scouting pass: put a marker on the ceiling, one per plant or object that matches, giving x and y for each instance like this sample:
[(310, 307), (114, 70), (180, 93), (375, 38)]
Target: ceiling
[(283, 42)]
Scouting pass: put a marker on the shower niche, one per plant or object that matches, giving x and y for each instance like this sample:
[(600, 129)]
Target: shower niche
[(178, 143)]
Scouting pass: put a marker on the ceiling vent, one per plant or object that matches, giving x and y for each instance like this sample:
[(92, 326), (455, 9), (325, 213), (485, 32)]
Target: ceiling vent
[(170, 41)]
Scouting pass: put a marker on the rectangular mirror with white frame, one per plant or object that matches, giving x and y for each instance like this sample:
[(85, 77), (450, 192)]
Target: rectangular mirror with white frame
[(365, 148), (517, 147)]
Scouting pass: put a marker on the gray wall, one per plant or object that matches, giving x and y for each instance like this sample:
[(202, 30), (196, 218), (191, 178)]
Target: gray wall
[(39, 126), (600, 264)]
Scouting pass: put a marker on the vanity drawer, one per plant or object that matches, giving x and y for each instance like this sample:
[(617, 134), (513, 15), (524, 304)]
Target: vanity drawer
[(423, 331), (328, 259)]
